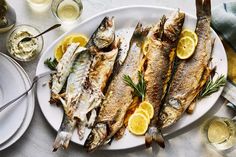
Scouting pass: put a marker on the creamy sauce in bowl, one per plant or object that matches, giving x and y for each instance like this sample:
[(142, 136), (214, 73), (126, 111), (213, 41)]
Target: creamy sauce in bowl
[(23, 50)]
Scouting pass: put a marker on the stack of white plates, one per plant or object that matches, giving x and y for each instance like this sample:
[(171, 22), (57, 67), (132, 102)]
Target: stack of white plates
[(15, 119)]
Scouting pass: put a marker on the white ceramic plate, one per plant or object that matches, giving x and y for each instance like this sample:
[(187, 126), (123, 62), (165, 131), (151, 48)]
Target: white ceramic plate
[(126, 19), (11, 85), (30, 106)]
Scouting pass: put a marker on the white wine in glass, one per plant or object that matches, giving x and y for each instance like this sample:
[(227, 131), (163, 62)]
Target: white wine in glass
[(220, 132), (67, 11)]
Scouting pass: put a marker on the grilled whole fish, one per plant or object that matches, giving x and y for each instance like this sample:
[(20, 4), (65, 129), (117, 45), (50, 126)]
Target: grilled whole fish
[(78, 81), (189, 75), (162, 39), (118, 96), (92, 96)]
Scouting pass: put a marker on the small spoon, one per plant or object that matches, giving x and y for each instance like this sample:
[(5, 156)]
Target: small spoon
[(47, 30)]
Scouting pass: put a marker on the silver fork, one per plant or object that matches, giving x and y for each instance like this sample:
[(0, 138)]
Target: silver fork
[(35, 80)]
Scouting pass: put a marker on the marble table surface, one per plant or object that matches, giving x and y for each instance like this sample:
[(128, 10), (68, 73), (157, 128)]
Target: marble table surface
[(37, 140)]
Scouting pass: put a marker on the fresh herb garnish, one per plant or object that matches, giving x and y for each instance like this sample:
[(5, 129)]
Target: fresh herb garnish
[(213, 86), (51, 63), (139, 88)]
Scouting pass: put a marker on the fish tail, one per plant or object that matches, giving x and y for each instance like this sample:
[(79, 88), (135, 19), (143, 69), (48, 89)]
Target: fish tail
[(62, 140), (97, 137), (160, 31), (139, 33), (64, 133), (154, 134), (203, 8)]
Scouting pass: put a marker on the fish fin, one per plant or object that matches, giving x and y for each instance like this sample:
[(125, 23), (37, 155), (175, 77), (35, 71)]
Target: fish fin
[(64, 133), (207, 7), (96, 137), (62, 140), (154, 134), (157, 31), (203, 8), (160, 32), (191, 107)]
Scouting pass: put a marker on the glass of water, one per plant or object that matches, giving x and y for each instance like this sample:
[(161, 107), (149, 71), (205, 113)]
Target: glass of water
[(67, 11), (220, 132)]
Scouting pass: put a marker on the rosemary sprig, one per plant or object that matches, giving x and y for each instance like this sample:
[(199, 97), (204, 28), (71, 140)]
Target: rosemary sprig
[(213, 86), (139, 88), (51, 63)]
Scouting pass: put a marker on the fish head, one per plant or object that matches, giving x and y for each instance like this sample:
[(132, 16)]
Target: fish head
[(96, 137), (173, 26), (105, 34), (170, 113)]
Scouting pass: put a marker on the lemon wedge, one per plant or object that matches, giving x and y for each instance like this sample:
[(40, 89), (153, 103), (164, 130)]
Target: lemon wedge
[(58, 53), (138, 124), (78, 38), (191, 34), (62, 46), (185, 47), (147, 107)]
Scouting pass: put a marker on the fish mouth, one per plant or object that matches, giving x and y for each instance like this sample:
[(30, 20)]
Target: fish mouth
[(97, 137), (168, 116)]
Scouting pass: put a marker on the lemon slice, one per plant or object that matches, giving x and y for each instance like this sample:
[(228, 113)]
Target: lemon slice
[(185, 47), (143, 112), (191, 34), (58, 53), (138, 124), (147, 107), (62, 46), (65, 43), (78, 38)]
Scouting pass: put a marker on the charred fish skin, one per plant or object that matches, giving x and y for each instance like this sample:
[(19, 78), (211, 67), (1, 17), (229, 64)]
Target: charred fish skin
[(189, 74), (77, 83), (162, 39), (91, 98), (118, 96)]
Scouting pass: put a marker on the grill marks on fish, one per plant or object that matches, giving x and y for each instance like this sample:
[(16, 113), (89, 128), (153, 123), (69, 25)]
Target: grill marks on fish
[(118, 96), (162, 39), (189, 74), (79, 83), (169, 90), (91, 98)]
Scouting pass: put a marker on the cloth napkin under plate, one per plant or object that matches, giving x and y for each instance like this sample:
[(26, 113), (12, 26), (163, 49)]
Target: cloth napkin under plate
[(224, 23)]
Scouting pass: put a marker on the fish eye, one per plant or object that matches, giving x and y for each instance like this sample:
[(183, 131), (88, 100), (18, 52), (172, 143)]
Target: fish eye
[(174, 103), (163, 115)]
